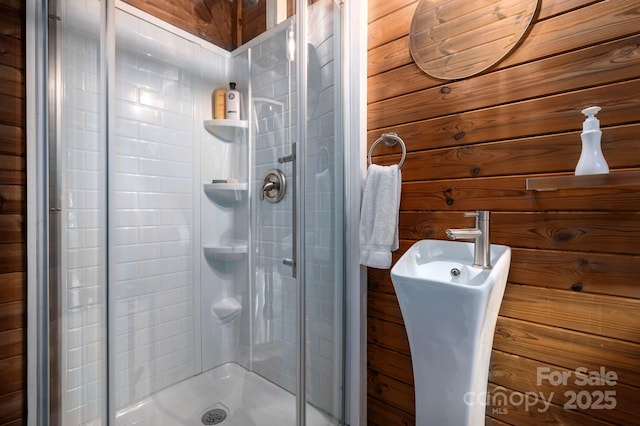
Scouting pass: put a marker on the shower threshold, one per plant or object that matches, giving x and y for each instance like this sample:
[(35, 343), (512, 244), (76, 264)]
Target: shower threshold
[(247, 399)]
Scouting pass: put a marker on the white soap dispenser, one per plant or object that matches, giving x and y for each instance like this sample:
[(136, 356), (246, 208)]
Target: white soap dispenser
[(591, 161), (233, 102)]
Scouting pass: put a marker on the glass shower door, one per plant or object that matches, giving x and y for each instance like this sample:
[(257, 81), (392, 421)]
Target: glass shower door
[(131, 220), (298, 263), (323, 198)]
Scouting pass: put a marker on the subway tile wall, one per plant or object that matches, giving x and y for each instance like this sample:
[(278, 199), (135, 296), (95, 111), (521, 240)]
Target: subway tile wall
[(153, 213), (274, 313), (324, 254), (159, 107), (161, 158), (224, 221), (83, 219)]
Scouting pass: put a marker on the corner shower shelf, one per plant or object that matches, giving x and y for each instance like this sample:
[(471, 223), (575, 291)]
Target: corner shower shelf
[(553, 183), (225, 252), (225, 129), (226, 193)]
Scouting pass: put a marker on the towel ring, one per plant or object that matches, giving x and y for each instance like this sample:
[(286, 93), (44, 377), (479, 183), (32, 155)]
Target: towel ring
[(389, 139)]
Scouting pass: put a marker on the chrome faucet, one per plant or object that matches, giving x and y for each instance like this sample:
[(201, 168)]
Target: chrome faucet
[(480, 237)]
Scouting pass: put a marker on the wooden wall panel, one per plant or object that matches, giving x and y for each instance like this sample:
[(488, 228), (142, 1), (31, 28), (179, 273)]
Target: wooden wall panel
[(254, 20), (508, 370), (211, 20), (573, 297), (12, 214)]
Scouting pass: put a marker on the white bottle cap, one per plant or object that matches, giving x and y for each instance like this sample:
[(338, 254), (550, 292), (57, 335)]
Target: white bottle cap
[(591, 123)]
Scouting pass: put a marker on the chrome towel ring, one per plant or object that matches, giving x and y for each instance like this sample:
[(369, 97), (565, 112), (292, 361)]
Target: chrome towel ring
[(390, 139)]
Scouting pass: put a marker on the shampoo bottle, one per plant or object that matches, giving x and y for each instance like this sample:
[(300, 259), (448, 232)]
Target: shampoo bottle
[(219, 103), (591, 161), (233, 102)]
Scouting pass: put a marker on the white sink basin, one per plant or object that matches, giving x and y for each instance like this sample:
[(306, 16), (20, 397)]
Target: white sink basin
[(450, 309), (433, 260)]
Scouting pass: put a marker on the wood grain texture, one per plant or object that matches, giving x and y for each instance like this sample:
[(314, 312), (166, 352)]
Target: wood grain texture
[(12, 198), (398, 394), (12, 140), (572, 295), (568, 349), (11, 82), (380, 8), (382, 414), (508, 193), (560, 113), (388, 335), (12, 408), (557, 153), (533, 413), (12, 214), (454, 39), (11, 51), (254, 21), (547, 37), (576, 231), (12, 371), (587, 67), (12, 228), (528, 376), (390, 27), (12, 316), (607, 316), (12, 287), (390, 363), (11, 343), (13, 170), (588, 272), (385, 306), (211, 20)]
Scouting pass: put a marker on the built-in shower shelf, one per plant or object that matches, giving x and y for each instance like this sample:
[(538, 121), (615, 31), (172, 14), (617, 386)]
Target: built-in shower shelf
[(225, 252), (225, 129), (225, 193)]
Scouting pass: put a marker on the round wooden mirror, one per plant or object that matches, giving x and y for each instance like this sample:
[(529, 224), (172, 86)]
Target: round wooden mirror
[(453, 39)]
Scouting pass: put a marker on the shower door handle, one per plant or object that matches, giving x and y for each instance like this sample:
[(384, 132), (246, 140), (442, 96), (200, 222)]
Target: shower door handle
[(294, 206)]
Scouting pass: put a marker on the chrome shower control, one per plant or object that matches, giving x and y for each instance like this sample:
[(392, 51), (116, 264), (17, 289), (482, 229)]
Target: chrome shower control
[(274, 186)]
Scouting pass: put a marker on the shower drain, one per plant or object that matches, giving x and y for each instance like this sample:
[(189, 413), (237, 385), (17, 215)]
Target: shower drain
[(213, 417)]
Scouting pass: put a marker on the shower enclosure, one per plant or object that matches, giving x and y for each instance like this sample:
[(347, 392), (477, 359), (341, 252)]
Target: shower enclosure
[(180, 291)]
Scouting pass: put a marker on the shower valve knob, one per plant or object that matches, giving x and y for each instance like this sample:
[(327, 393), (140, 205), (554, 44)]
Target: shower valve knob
[(274, 186)]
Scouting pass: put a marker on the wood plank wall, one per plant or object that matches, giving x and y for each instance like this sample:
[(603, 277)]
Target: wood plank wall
[(12, 214), (227, 24), (573, 296), (211, 20)]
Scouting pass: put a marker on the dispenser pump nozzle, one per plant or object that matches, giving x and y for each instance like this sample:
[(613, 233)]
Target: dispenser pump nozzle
[(591, 123)]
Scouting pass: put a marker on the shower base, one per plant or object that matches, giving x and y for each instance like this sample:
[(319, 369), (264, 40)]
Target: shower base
[(247, 398)]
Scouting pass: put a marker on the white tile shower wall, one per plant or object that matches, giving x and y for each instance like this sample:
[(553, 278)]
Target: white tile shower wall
[(153, 209), (83, 219), (274, 294), (222, 222), (324, 281)]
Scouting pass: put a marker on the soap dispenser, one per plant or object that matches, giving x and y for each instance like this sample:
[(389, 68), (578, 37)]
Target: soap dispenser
[(591, 160)]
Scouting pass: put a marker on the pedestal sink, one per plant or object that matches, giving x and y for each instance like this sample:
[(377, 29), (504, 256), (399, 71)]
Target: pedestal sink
[(450, 309)]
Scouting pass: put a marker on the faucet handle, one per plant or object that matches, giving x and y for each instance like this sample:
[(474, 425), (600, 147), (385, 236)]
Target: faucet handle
[(471, 214)]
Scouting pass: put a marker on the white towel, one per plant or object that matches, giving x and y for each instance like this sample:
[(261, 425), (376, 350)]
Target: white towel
[(379, 216)]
